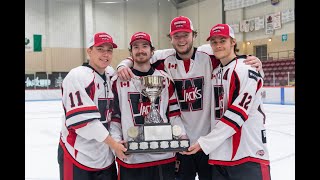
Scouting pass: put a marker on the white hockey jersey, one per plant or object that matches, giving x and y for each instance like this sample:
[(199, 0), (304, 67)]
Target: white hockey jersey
[(193, 85), (87, 101), (237, 132), (130, 108)]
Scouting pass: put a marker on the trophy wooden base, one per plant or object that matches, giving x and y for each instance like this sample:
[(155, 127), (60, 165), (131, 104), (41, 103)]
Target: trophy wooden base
[(174, 145)]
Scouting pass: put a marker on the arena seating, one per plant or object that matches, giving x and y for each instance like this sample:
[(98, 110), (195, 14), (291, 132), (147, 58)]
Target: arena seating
[(278, 72)]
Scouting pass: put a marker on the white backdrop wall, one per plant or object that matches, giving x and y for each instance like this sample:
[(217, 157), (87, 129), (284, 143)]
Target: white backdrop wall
[(69, 23), (65, 29), (35, 17), (110, 18)]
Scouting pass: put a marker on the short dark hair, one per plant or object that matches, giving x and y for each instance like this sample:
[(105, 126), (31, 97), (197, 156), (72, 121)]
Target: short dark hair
[(152, 48)]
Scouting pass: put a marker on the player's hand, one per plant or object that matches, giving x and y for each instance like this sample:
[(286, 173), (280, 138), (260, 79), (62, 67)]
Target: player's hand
[(125, 73), (254, 62), (120, 150), (192, 149)]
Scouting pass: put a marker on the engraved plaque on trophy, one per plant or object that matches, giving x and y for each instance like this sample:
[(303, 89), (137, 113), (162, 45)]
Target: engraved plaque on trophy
[(154, 135)]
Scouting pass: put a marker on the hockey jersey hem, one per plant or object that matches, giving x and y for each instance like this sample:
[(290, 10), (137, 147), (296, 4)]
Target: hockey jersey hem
[(146, 164), (237, 162), (76, 163)]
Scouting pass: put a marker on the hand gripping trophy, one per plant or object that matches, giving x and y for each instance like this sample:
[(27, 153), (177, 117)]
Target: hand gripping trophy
[(154, 135)]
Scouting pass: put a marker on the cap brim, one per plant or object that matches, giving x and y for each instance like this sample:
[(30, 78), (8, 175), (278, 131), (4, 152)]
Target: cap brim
[(139, 39), (180, 30), (113, 44), (217, 35)]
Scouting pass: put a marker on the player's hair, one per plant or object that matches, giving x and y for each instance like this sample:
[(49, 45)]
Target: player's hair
[(235, 49), (194, 34), (152, 48)]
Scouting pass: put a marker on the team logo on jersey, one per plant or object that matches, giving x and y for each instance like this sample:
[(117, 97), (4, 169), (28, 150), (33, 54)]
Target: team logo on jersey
[(140, 106), (124, 84), (260, 152), (173, 66), (190, 93), (144, 108)]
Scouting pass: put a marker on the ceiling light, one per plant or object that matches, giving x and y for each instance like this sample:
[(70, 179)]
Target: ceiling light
[(248, 42), (270, 39)]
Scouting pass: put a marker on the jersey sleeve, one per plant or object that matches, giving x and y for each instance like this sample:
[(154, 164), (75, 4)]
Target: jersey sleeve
[(82, 114), (161, 54), (128, 62), (205, 48), (244, 84)]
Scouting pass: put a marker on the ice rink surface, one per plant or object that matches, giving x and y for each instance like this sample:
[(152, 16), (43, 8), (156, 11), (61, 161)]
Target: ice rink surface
[(42, 127)]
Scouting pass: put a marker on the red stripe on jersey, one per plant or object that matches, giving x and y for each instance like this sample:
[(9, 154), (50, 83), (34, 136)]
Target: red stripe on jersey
[(186, 63), (118, 120), (235, 142), (243, 114), (88, 108), (234, 88), (174, 113), (71, 138), (265, 172), (173, 101), (240, 161), (147, 164), (259, 85)]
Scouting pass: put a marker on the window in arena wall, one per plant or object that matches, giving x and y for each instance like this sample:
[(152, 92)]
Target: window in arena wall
[(261, 52)]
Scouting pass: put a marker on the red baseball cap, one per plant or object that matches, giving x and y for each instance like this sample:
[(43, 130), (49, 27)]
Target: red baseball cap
[(221, 30), (180, 24), (140, 35), (101, 38)]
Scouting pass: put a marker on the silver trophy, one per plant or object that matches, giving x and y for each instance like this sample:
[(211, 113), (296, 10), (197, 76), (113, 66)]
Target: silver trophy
[(151, 87), (154, 135)]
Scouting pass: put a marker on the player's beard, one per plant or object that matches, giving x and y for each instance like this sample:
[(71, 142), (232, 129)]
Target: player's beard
[(185, 52), (141, 58)]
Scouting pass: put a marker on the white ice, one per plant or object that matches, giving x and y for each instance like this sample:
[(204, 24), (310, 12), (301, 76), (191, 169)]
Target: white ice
[(42, 127)]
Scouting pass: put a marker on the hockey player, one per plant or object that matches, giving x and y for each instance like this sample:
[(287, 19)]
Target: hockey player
[(191, 69), (237, 144), (129, 112), (84, 149)]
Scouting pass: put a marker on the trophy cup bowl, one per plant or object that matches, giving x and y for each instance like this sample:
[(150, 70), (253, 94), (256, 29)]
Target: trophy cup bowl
[(151, 87), (154, 135)]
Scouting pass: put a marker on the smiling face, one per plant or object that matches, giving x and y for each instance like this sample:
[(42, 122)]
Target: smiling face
[(100, 56), (223, 48), (141, 51), (182, 42)]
